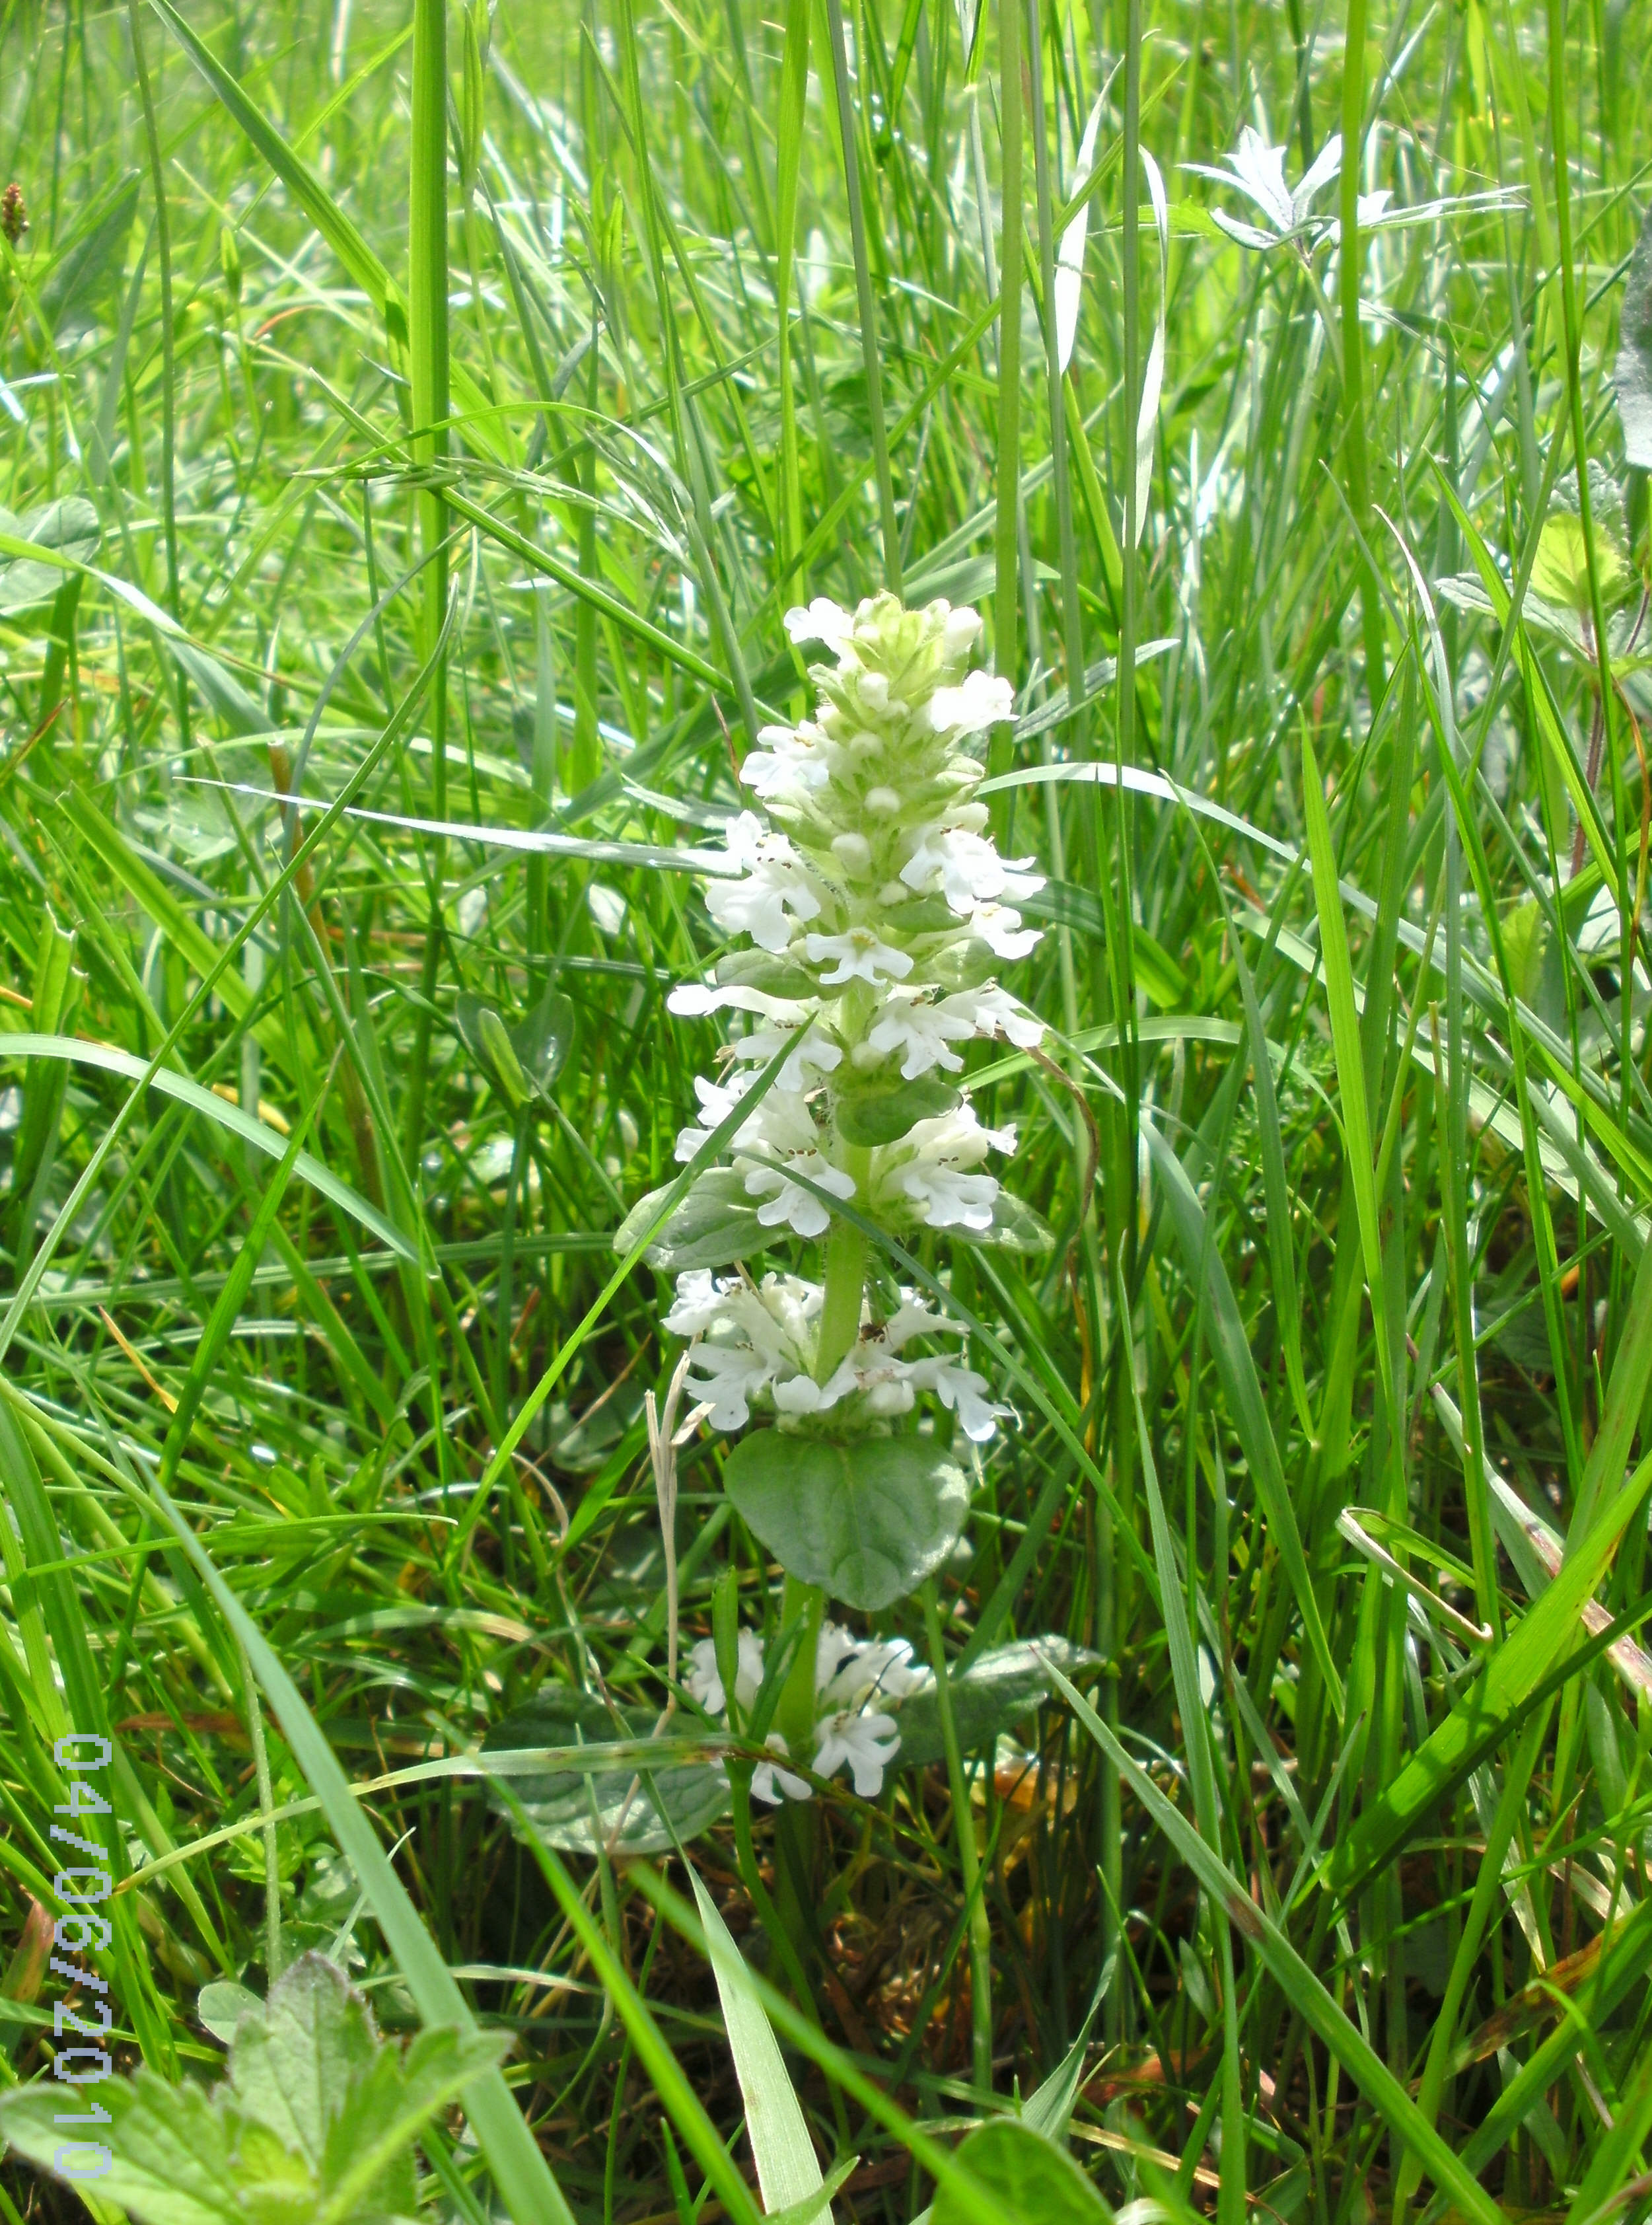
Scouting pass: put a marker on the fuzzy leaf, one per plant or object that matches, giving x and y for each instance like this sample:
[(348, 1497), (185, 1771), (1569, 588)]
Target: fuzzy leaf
[(716, 1224), (577, 1810), (868, 1520)]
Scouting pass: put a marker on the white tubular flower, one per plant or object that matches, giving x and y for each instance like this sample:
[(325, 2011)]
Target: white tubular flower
[(802, 1394), (861, 956), (947, 1199), (716, 1101), (694, 1001), (832, 1647), (912, 1317), (786, 1204), (961, 1391), (922, 1031), (823, 621), (1001, 929), (984, 700), (703, 1682), (969, 866), (816, 1050), (770, 1783), (699, 1302), (997, 1012), (775, 885), (867, 1742), (725, 1378), (787, 766), (885, 1667)]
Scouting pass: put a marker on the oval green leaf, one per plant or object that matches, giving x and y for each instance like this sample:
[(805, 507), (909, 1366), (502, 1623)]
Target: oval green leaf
[(867, 1521), (1031, 2176)]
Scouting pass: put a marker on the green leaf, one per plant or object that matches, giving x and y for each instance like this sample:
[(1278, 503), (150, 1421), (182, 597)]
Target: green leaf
[(87, 271), (788, 2172), (524, 1060), (1032, 2177), (578, 1810), (1633, 375), (716, 1224), (70, 526), (867, 1521), (998, 1690), (883, 1116), (221, 2005), (314, 2124)]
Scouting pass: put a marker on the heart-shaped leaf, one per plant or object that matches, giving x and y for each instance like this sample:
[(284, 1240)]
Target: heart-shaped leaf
[(867, 1520), (577, 1810), (716, 1224), (70, 526), (883, 1116)]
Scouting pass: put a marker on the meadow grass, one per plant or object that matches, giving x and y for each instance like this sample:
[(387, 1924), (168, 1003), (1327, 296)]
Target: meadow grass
[(452, 409)]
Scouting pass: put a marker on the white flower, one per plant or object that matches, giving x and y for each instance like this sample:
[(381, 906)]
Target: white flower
[(703, 1682), (1001, 929), (861, 956), (997, 1012), (832, 1647), (984, 700), (1259, 171), (885, 1666), (970, 868), (912, 1317), (786, 1204), (699, 1303), (960, 1390), (802, 1394), (775, 885), (959, 631), (921, 1031), (770, 1781), (867, 1742), (947, 1199), (726, 1379), (788, 766), (716, 1101), (816, 1050), (694, 1001), (823, 621)]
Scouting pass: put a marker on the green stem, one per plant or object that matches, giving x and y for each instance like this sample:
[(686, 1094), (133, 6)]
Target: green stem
[(275, 1956), (968, 1854), (796, 1826), (1005, 538)]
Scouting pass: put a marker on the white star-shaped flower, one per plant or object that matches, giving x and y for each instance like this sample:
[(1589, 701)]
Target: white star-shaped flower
[(860, 956), (867, 1742), (703, 1681), (960, 1390)]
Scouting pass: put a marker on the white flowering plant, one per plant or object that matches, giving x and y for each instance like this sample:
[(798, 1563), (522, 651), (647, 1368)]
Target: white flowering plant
[(871, 914)]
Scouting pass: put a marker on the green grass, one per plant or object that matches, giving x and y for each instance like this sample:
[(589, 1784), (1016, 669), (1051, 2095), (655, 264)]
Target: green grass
[(491, 519)]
